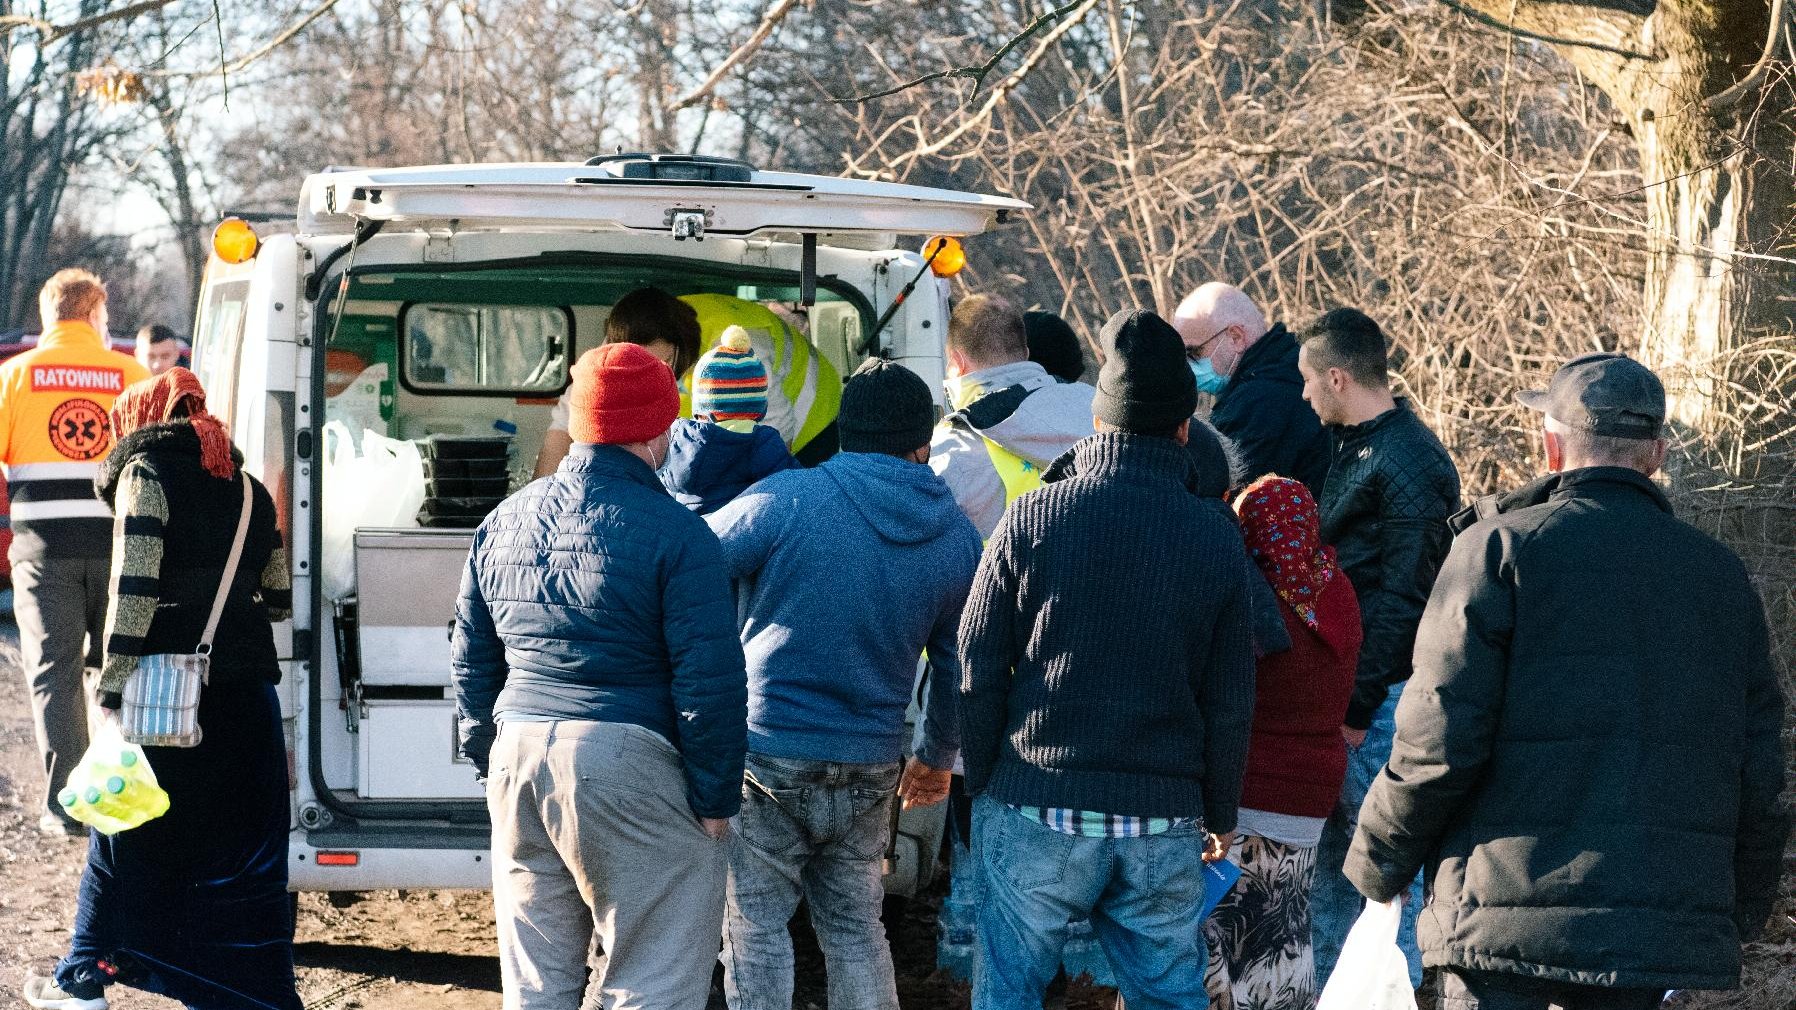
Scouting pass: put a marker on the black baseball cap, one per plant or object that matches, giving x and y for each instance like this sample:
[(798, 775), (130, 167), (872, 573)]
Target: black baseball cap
[(1604, 394)]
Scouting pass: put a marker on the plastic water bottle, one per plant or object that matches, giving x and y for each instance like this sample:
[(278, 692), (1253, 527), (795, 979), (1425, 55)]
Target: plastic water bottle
[(113, 790)]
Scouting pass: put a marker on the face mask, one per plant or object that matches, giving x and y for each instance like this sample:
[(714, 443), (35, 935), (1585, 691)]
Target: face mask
[(1208, 381)]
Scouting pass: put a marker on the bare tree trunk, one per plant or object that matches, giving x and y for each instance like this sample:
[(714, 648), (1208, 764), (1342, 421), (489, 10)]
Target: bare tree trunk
[(34, 166), (655, 77), (1707, 290), (1716, 173), (188, 223), (178, 201)]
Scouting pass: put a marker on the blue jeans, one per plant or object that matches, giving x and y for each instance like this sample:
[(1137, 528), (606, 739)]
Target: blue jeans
[(815, 830), (1335, 903), (1142, 895), (957, 924)]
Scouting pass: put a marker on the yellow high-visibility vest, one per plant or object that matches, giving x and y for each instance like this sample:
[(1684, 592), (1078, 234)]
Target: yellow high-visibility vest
[(804, 389), (1018, 474)]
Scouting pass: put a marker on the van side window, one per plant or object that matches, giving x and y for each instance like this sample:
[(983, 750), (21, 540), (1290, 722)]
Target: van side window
[(218, 338), (487, 348)]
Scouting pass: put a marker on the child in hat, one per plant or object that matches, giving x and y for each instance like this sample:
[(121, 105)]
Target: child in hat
[(723, 449)]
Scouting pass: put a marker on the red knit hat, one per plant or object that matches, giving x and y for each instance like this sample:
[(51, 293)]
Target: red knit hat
[(621, 394)]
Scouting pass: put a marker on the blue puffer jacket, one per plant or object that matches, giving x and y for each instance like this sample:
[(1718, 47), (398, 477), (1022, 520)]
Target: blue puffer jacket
[(708, 465), (593, 595)]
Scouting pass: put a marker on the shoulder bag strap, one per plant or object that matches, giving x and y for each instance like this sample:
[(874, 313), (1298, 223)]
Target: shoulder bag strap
[(230, 570)]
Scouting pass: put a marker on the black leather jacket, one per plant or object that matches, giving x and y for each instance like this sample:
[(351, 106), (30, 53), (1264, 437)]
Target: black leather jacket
[(1391, 489)]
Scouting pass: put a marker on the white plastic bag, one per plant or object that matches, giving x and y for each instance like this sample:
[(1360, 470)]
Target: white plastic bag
[(1371, 973), (358, 405), (381, 488)]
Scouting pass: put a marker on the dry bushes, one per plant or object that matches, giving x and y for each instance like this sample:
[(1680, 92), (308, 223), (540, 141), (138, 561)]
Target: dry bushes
[(1468, 195), (1462, 187), (1466, 190)]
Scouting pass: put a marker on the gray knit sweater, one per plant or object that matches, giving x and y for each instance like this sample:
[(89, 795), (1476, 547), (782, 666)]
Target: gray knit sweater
[(1107, 649)]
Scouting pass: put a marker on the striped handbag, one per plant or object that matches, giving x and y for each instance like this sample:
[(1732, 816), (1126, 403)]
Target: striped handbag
[(160, 706)]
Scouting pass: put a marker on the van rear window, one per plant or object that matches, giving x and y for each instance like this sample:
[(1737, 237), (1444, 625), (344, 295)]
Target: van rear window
[(217, 344), (515, 349)]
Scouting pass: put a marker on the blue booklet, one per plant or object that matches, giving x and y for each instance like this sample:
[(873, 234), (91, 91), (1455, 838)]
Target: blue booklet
[(1219, 880)]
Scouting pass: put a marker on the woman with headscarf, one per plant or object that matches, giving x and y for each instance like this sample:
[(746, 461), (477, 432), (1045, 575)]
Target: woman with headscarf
[(192, 905), (1259, 936)]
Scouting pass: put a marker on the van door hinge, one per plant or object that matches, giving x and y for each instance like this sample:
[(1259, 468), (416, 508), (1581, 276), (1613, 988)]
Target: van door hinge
[(355, 707), (687, 222)]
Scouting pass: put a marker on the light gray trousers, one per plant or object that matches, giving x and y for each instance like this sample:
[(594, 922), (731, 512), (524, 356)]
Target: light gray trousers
[(591, 831)]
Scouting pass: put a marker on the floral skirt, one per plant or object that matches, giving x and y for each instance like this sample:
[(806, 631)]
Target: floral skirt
[(1259, 936)]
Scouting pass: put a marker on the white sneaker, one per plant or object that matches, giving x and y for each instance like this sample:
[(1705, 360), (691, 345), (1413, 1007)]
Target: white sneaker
[(46, 995), (52, 826)]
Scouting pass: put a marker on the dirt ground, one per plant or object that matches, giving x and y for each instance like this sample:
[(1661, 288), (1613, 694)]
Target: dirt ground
[(419, 950)]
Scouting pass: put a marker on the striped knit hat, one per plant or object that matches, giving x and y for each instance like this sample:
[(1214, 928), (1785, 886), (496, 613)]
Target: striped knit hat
[(730, 383)]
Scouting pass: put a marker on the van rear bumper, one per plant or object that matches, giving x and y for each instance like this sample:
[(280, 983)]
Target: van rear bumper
[(372, 859), (437, 856)]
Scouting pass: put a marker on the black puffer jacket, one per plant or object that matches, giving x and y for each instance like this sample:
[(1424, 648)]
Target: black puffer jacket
[(1263, 411), (1587, 760), (1385, 507)]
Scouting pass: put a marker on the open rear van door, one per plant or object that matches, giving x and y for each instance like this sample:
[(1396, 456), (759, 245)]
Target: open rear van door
[(687, 197), (246, 354)]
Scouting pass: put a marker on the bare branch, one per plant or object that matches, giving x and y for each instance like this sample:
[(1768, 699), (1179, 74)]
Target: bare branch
[(224, 80), (1073, 16), (978, 74), (769, 22), (52, 32), (247, 59), (1511, 26), (1732, 97)]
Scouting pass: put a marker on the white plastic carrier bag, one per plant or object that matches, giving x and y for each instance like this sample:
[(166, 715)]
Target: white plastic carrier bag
[(382, 488), (1372, 973)]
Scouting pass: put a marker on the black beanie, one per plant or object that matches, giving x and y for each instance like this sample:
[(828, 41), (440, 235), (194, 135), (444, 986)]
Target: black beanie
[(1217, 462), (1054, 346), (1145, 385), (886, 408)]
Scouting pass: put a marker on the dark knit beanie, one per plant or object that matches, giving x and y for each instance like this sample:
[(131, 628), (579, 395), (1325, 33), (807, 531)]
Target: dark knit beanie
[(1218, 464), (1054, 346), (886, 408), (1145, 385)]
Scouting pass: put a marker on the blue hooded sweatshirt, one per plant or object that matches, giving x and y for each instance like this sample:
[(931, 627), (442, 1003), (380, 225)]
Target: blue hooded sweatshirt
[(845, 574), (708, 465)]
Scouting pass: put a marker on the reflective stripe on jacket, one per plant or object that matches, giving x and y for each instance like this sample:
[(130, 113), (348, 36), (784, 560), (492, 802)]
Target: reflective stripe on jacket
[(55, 402), (804, 390)]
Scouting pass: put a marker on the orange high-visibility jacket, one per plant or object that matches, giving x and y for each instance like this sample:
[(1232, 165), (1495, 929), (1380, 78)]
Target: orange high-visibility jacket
[(55, 403)]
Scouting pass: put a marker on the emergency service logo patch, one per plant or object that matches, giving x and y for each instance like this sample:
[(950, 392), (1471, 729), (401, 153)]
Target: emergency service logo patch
[(79, 429)]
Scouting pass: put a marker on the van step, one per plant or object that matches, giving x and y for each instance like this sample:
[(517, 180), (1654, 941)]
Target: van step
[(403, 835)]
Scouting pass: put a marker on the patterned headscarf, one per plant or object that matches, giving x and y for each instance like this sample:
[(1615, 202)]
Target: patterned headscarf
[(153, 401), (1284, 537)]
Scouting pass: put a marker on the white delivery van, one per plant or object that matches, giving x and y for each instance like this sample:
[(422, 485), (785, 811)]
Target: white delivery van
[(450, 301)]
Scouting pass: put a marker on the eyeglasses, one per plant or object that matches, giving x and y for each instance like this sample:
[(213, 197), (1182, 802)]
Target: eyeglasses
[(1201, 351)]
